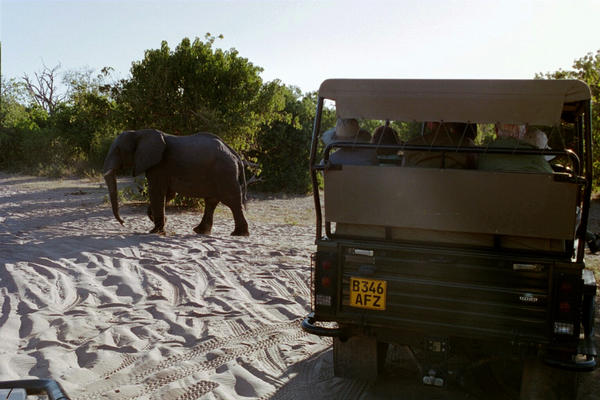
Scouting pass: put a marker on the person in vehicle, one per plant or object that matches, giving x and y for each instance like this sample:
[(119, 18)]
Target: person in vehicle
[(452, 134), (348, 130), (385, 136), (538, 138), (514, 136)]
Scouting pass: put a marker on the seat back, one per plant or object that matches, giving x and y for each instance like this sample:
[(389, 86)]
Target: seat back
[(456, 201)]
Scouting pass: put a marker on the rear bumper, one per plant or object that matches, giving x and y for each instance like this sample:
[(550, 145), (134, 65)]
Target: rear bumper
[(589, 364), (587, 349), (308, 325), (588, 354)]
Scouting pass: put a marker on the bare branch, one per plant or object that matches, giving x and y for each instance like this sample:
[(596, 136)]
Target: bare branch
[(254, 179), (43, 89)]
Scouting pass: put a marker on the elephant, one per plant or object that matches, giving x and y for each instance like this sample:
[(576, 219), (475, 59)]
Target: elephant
[(199, 165)]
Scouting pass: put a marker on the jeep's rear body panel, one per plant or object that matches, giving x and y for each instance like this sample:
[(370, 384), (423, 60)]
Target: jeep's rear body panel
[(452, 200), (470, 294)]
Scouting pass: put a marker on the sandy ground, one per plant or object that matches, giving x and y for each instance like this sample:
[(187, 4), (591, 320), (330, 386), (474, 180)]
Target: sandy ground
[(112, 312)]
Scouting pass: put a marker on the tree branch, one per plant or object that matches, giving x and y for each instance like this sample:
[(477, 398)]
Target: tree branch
[(43, 89)]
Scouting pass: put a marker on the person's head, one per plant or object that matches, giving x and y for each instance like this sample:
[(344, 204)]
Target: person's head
[(346, 130), (431, 127), (455, 129), (363, 136), (538, 138), (515, 131), (385, 135)]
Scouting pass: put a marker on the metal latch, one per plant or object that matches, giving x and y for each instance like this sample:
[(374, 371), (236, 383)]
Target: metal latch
[(363, 252)]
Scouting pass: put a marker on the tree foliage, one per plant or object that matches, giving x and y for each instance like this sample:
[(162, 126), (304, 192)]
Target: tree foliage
[(14, 114), (282, 148), (65, 136), (587, 69), (198, 88), (194, 87), (89, 119)]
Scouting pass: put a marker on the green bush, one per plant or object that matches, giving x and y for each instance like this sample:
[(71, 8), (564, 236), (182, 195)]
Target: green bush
[(74, 139), (283, 148)]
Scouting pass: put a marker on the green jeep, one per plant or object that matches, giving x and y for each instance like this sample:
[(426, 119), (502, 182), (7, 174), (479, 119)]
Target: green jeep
[(466, 237)]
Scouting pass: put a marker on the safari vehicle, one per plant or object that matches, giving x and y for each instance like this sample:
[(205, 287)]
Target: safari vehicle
[(447, 258)]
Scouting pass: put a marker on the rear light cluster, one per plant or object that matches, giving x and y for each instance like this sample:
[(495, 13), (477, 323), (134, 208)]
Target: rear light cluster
[(325, 271), (326, 278), (566, 313), (563, 328)]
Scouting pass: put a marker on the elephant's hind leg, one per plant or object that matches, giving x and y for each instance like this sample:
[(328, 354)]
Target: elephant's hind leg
[(205, 226), (241, 225)]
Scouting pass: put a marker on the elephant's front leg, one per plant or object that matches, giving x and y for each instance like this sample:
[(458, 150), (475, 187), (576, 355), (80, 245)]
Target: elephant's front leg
[(157, 209), (207, 219), (170, 196)]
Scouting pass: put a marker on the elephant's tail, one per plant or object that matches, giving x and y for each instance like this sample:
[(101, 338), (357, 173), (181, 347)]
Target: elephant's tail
[(242, 181)]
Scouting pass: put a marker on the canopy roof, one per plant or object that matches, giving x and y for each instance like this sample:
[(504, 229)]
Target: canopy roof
[(537, 102)]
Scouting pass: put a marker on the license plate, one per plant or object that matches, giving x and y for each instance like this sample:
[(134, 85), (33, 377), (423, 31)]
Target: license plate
[(368, 293)]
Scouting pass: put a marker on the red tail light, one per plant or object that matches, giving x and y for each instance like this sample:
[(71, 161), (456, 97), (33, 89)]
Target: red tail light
[(564, 307), (325, 280)]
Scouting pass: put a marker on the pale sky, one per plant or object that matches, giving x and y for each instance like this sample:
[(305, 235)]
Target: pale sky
[(303, 43)]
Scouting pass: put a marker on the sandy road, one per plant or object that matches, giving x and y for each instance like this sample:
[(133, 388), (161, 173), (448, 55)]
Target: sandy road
[(112, 312)]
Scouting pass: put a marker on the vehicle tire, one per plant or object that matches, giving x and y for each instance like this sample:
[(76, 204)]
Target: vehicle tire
[(542, 382), (359, 357)]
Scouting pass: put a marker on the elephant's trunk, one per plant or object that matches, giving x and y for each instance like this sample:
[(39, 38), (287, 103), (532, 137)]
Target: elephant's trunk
[(111, 182)]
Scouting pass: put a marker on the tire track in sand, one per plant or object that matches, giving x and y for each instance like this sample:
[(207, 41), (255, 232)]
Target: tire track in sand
[(230, 355), (180, 366), (199, 389)]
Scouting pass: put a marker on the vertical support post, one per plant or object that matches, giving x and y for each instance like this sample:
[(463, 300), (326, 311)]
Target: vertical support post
[(313, 171), (588, 170)]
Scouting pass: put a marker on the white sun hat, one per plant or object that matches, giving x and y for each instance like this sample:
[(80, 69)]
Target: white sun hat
[(345, 130), (538, 139)]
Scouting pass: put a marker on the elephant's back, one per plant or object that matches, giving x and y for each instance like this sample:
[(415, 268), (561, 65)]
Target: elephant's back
[(202, 147), (201, 157), (202, 165)]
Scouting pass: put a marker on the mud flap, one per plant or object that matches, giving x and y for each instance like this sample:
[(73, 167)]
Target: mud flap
[(359, 357), (542, 382)]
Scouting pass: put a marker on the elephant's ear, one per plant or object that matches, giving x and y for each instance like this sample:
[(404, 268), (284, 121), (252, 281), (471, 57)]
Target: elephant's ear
[(149, 150)]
